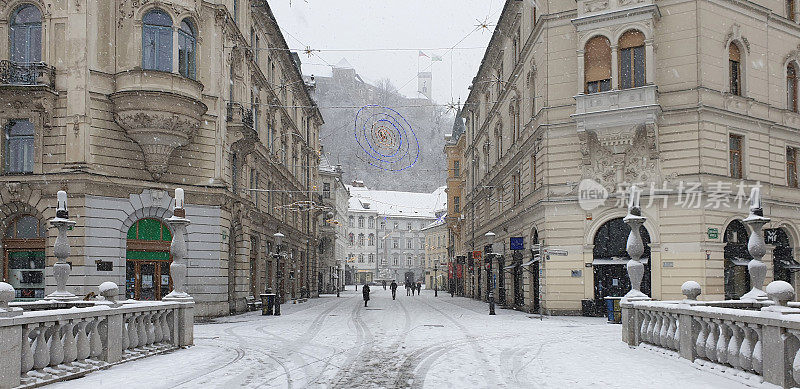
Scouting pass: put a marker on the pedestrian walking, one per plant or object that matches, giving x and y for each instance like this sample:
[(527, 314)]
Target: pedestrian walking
[(419, 288), (384, 284), (394, 289), (408, 288), (365, 292)]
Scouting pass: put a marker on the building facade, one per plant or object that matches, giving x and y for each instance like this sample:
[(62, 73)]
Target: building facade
[(456, 178), (120, 102), (576, 101), (436, 257), (332, 227), (362, 236)]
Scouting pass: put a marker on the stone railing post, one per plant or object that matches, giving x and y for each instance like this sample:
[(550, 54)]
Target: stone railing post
[(11, 340), (178, 269), (687, 326), (630, 324), (635, 246), (61, 268), (756, 247)]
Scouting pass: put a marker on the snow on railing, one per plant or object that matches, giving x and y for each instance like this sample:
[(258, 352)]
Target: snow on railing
[(754, 341), (53, 345)]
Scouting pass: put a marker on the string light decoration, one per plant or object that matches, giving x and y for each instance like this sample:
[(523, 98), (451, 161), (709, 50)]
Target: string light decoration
[(386, 138)]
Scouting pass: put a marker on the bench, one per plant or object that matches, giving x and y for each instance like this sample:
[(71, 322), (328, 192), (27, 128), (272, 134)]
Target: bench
[(252, 303)]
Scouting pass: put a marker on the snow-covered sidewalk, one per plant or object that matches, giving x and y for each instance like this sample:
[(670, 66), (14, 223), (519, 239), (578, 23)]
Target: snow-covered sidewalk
[(416, 342)]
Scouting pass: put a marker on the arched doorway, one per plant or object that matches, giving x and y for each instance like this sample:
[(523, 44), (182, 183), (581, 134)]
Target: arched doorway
[(610, 259), (783, 261), (147, 260), (23, 257), (534, 269), (737, 280)]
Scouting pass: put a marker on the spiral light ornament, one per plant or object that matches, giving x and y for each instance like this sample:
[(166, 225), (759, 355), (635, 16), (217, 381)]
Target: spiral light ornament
[(387, 140)]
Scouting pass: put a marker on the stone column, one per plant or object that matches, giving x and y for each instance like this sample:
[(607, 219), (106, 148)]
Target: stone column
[(178, 269), (635, 246), (615, 77), (61, 269), (756, 247)]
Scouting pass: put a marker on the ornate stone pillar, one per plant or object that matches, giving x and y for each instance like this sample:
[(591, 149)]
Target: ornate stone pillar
[(635, 246), (756, 247), (61, 269), (178, 269)]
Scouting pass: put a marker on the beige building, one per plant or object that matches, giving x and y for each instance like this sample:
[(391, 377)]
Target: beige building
[(696, 98), (436, 258), (119, 102)]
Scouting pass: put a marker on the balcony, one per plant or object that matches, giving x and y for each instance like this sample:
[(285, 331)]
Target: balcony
[(27, 74), (615, 115), (160, 111)]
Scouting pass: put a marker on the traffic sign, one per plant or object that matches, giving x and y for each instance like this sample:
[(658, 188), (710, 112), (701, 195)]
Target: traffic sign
[(713, 233), (559, 252), (517, 243)]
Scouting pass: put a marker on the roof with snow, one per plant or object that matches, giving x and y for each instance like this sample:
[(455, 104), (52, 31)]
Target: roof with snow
[(398, 204), (343, 64)]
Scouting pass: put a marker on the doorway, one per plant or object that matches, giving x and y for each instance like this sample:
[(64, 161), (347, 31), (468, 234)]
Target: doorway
[(737, 257), (24, 258), (147, 260), (610, 260)]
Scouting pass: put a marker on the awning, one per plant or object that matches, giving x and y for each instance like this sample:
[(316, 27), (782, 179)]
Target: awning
[(615, 261)]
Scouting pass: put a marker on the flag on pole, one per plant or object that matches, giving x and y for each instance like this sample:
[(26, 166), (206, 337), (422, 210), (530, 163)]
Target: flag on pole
[(421, 54), (436, 58)]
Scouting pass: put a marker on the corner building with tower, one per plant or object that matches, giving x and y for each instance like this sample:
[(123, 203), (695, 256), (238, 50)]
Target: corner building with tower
[(118, 103), (694, 101)]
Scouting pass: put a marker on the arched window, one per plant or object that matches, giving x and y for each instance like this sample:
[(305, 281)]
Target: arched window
[(24, 259), (187, 48), (610, 258), (631, 60), (791, 87), (361, 222), (25, 35), (513, 112), (157, 41), (371, 240), (597, 65), (148, 259), (783, 264), (361, 239), (735, 69), (737, 257)]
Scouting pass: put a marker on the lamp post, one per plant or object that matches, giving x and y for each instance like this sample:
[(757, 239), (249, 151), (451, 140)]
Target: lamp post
[(279, 271), (436, 279), (490, 236)]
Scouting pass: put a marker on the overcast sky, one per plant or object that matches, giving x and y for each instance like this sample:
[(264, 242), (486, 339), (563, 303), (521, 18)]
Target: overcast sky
[(352, 29)]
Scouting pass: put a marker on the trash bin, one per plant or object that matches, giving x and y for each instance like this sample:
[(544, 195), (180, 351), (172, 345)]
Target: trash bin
[(587, 308), (267, 303), (614, 310)]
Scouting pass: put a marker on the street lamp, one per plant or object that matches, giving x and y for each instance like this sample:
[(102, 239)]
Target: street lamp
[(490, 236), (279, 272), (436, 278)]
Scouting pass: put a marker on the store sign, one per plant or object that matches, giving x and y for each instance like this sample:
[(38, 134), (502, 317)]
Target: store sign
[(476, 255), (517, 243), (713, 233), (771, 235)]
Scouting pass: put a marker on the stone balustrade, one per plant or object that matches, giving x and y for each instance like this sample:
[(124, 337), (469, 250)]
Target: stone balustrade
[(747, 340), (52, 345)]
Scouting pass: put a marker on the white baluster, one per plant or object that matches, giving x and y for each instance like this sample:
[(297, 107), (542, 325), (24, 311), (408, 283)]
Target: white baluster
[(125, 336), (82, 340), (70, 346), (711, 341), (746, 349), (166, 327), (700, 343), (133, 332), (671, 332), (27, 353), (95, 342), (651, 327), (757, 357), (151, 335), (157, 331), (56, 345), (796, 360), (41, 352), (733, 345), (663, 335), (141, 332), (722, 342)]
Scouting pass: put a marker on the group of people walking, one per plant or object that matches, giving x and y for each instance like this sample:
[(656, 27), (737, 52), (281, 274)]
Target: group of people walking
[(410, 288)]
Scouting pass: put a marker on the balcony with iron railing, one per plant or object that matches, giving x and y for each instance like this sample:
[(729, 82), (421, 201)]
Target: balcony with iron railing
[(18, 74)]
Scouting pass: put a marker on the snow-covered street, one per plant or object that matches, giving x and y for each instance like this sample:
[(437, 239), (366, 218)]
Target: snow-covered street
[(417, 342)]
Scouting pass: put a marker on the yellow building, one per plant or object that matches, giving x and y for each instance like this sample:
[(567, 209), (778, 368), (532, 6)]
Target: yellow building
[(695, 101), (119, 102), (436, 259)]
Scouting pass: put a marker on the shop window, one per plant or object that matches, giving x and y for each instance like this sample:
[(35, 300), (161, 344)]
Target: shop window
[(148, 260), (24, 258)]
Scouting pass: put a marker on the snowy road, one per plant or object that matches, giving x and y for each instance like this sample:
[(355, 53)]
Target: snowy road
[(413, 342)]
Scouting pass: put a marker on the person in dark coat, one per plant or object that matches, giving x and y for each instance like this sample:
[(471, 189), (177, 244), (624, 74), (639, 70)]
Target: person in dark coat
[(365, 292), (419, 288), (408, 288), (384, 284), (394, 289)]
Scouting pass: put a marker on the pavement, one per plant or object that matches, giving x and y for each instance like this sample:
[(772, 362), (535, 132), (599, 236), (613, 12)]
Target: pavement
[(412, 342)]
